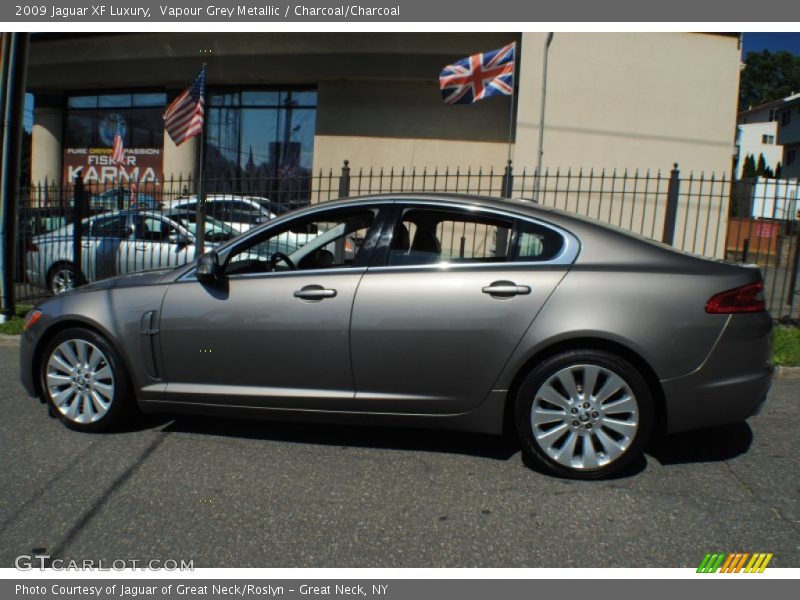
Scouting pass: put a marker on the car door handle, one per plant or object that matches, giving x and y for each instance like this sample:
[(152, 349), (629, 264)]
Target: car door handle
[(506, 289), (314, 292)]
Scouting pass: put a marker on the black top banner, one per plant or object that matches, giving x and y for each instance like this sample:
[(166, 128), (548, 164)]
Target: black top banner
[(460, 11)]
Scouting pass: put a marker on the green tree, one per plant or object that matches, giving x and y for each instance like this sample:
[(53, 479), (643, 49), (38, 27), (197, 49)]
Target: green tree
[(762, 170), (761, 166), (749, 167), (768, 76)]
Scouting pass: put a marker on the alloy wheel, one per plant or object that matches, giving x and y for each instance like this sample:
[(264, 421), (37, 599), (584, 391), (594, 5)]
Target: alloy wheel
[(80, 381), (63, 280), (584, 417)]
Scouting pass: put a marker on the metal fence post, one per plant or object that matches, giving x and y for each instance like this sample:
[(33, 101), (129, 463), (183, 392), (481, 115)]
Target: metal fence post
[(13, 73), (671, 214), (501, 245), (78, 206), (344, 180), (508, 181), (794, 289)]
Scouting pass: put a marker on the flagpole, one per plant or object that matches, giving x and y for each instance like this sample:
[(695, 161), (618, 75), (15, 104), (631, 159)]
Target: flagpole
[(513, 106), (540, 151), (200, 214)]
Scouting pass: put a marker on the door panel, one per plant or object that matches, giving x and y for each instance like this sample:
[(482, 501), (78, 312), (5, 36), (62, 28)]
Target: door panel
[(252, 342), (139, 255), (154, 246), (431, 341), (103, 246)]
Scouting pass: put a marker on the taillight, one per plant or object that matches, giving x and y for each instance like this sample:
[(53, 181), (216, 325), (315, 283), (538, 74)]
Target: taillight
[(745, 299), (31, 319)]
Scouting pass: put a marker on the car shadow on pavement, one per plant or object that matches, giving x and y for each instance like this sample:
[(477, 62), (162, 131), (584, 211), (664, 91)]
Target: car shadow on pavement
[(394, 438), (704, 445)]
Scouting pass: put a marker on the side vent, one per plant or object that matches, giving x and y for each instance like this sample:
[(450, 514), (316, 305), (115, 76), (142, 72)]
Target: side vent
[(149, 331)]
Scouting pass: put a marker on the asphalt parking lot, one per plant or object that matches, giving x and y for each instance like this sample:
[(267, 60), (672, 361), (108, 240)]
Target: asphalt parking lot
[(249, 493)]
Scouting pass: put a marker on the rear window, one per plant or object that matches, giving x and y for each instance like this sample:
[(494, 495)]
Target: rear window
[(435, 235), (116, 227), (537, 243)]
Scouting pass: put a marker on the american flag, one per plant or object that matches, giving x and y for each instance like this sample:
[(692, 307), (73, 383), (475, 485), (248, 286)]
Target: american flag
[(184, 116), (117, 149), (479, 76)]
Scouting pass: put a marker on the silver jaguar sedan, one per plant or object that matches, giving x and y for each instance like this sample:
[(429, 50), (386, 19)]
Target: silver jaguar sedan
[(448, 311)]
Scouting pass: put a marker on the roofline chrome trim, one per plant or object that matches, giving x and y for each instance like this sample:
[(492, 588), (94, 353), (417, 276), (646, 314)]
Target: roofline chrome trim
[(567, 256)]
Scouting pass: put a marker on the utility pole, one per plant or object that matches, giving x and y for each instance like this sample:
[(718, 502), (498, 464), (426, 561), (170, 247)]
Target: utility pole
[(13, 72), (540, 151)]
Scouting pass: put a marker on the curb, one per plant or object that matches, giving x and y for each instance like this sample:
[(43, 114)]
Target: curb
[(9, 340), (12, 341), (787, 372)]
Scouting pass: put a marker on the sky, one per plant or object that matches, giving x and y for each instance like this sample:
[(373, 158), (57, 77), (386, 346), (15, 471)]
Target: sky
[(752, 42), (774, 42)]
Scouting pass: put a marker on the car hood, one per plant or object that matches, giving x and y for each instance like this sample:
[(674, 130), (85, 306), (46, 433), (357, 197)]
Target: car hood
[(141, 278)]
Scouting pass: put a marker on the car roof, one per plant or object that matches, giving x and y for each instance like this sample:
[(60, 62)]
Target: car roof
[(218, 197), (521, 206)]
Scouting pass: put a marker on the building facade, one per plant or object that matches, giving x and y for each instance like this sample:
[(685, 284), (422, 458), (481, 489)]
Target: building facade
[(789, 136), (301, 103), (757, 135)]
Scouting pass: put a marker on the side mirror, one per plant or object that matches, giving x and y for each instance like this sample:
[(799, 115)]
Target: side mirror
[(208, 268)]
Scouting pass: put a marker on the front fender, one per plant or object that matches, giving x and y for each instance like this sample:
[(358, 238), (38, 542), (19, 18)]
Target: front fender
[(114, 313)]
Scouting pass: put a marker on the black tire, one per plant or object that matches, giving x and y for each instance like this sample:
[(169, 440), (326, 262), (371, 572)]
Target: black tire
[(597, 416), (59, 270), (122, 406)]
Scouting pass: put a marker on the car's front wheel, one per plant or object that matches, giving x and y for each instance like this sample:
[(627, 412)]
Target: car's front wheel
[(85, 382), (584, 414)]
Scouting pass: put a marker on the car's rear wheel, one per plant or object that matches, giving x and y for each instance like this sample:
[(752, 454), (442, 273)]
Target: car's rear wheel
[(64, 277), (85, 382), (584, 414)]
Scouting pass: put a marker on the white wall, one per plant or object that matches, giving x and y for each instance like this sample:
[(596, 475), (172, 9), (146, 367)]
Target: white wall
[(749, 142), (631, 100)]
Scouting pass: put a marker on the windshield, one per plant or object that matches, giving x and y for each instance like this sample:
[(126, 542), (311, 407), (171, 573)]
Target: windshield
[(215, 230)]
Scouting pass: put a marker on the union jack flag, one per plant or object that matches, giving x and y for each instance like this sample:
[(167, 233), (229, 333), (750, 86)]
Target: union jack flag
[(117, 149), (183, 118), (479, 76)]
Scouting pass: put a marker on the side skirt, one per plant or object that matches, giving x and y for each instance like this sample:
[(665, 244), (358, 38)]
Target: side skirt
[(486, 418)]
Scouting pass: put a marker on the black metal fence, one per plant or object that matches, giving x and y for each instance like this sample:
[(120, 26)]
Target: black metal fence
[(746, 221)]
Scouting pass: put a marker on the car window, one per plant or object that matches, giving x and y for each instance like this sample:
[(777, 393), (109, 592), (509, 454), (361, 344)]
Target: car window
[(428, 236), (215, 230), (115, 226), (154, 229), (233, 211), (328, 241), (537, 243)]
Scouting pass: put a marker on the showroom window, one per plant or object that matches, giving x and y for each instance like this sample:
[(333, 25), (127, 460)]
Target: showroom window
[(92, 120), (90, 125), (261, 142)]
